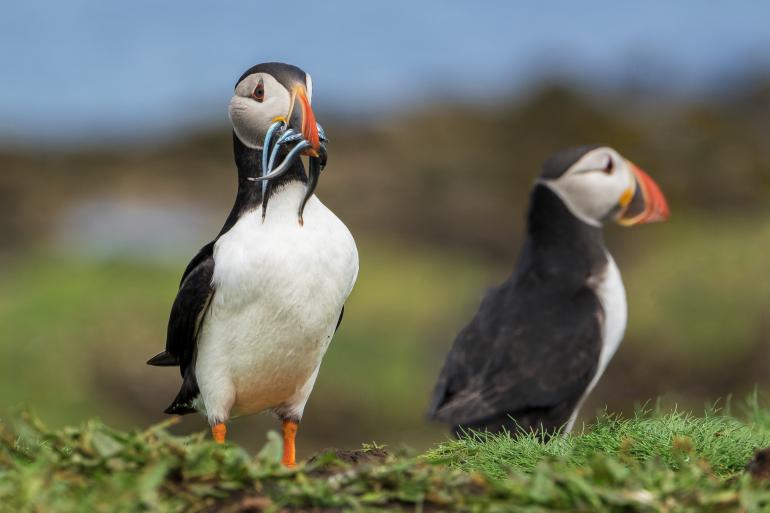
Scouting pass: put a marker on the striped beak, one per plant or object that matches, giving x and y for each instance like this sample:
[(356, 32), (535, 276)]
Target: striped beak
[(645, 203), (301, 118)]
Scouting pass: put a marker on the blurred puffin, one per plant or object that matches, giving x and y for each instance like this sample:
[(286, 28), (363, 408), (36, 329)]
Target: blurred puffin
[(539, 342), (257, 307)]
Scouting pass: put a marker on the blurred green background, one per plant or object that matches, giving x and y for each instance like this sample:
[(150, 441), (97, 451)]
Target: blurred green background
[(95, 230)]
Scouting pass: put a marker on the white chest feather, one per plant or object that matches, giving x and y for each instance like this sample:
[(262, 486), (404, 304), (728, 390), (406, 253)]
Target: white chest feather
[(612, 296), (279, 288)]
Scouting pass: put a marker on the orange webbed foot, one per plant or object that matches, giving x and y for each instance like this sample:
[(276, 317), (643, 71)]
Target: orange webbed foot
[(289, 429), (219, 431)]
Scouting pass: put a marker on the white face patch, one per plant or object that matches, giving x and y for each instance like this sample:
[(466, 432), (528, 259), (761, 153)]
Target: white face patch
[(590, 189), (250, 118)]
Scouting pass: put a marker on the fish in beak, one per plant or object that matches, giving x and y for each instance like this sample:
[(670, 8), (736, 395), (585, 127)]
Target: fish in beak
[(644, 203), (310, 141)]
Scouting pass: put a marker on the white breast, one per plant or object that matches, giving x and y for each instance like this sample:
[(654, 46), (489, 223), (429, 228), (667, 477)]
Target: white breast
[(612, 295), (278, 291)]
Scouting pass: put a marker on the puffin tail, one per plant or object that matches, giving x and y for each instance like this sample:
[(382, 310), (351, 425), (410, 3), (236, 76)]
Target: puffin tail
[(438, 400), (178, 408), (183, 402), (164, 359)]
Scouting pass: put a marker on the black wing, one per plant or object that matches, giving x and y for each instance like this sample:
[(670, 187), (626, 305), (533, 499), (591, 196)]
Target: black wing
[(187, 312), (339, 321), (530, 360)]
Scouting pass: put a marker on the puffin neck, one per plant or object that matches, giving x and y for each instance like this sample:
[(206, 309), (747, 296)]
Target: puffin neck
[(249, 195), (561, 241)]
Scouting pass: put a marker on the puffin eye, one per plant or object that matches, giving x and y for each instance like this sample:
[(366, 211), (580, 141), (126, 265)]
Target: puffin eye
[(609, 167), (259, 92)]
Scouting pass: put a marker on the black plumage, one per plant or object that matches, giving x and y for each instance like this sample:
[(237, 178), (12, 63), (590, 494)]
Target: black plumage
[(285, 74), (558, 163), (533, 347), (187, 312)]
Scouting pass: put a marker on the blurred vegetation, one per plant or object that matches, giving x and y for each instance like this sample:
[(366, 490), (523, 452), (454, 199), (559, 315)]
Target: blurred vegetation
[(670, 462), (436, 200)]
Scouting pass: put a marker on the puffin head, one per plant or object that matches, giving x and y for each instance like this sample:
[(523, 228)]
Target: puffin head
[(271, 92), (597, 184)]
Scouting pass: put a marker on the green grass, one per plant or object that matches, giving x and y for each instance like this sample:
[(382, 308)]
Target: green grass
[(672, 462), (724, 441)]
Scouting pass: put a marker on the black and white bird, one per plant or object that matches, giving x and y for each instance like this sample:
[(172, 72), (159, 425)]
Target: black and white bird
[(257, 307), (539, 342)]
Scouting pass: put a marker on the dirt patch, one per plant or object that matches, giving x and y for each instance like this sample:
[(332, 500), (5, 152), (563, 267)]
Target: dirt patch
[(759, 466), (357, 457), (331, 460)]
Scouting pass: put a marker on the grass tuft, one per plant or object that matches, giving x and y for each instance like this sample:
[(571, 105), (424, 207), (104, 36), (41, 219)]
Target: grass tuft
[(674, 438), (652, 462)]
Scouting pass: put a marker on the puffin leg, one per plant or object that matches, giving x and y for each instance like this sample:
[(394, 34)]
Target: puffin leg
[(289, 429), (219, 431)]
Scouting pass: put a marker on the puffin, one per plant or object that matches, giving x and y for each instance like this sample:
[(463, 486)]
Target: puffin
[(540, 341), (257, 307)]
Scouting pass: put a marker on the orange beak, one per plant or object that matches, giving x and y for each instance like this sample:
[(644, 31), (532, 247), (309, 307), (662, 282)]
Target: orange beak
[(308, 128), (646, 204)]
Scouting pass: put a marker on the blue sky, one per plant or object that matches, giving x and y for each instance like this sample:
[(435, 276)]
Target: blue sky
[(82, 69)]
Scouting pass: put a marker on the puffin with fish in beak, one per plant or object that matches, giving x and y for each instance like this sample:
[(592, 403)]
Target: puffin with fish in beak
[(539, 342), (257, 307)]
